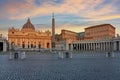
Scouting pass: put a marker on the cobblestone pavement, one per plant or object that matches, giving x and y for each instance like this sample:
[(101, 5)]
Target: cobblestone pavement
[(49, 67)]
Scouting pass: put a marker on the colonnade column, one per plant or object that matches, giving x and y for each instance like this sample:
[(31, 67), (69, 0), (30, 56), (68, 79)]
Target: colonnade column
[(4, 46), (114, 48), (71, 47), (100, 46), (119, 45), (91, 46), (109, 46)]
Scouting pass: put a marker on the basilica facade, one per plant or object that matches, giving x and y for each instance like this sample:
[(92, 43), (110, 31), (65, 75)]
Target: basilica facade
[(28, 37)]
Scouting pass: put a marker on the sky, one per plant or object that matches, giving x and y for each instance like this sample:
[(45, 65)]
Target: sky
[(74, 15)]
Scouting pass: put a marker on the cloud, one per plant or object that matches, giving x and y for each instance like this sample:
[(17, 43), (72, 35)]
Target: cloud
[(104, 17), (67, 26), (92, 9)]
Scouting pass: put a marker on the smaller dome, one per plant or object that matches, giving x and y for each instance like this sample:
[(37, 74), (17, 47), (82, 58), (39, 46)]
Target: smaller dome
[(28, 26)]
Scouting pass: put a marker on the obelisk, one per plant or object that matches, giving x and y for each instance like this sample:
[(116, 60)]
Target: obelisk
[(53, 32)]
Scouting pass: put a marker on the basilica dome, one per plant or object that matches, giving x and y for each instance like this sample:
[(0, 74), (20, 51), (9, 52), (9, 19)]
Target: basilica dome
[(28, 26)]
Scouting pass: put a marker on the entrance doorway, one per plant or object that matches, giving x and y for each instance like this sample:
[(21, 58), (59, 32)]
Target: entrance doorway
[(48, 45), (23, 45), (1, 46)]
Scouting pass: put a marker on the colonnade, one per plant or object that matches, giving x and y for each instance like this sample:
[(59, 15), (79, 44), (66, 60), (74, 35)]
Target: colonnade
[(96, 45), (106, 46)]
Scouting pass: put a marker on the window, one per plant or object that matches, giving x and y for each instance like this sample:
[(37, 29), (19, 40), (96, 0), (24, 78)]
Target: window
[(12, 32)]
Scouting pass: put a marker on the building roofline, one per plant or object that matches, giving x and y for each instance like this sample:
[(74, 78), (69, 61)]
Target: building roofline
[(99, 26), (68, 31)]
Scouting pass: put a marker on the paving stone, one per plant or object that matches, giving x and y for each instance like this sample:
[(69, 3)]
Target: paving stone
[(49, 67)]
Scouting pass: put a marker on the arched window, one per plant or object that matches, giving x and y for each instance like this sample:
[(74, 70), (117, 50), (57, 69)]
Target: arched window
[(12, 32)]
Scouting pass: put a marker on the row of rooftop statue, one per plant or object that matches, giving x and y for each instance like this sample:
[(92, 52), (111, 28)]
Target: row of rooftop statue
[(17, 55)]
